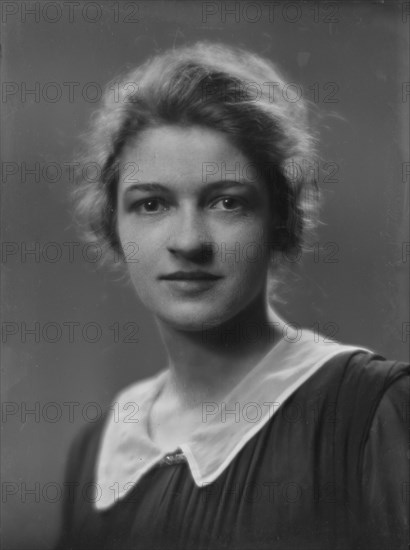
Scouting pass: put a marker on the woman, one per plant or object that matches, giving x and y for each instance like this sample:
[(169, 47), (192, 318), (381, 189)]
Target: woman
[(255, 435)]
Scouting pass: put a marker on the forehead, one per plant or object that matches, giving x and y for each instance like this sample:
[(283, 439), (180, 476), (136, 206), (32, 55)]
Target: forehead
[(174, 153)]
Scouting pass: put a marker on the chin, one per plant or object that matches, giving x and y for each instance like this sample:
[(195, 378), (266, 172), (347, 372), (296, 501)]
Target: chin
[(193, 318)]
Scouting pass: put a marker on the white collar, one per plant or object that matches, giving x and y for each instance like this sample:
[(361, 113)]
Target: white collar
[(127, 452)]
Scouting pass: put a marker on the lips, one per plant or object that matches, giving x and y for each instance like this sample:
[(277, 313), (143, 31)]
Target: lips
[(190, 276)]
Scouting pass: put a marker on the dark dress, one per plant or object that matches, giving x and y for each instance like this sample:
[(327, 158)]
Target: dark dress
[(334, 476)]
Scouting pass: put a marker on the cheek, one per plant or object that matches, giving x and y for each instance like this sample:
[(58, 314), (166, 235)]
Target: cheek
[(248, 247), (130, 234), (136, 254)]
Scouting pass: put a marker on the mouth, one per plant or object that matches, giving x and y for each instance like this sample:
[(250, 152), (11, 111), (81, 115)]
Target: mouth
[(190, 276)]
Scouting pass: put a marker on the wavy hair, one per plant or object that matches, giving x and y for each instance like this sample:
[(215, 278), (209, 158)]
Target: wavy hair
[(224, 88)]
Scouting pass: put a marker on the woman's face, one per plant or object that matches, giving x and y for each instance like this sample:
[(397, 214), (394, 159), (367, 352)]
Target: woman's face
[(189, 201)]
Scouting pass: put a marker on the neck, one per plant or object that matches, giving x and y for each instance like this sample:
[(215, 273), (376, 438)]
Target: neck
[(205, 365)]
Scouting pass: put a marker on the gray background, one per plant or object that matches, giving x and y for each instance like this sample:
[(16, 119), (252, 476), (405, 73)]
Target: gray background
[(362, 48)]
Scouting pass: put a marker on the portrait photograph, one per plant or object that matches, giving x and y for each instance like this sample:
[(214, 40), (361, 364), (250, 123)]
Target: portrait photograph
[(205, 275)]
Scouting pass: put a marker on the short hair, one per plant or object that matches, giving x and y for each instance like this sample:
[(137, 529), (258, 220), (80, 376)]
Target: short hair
[(217, 86)]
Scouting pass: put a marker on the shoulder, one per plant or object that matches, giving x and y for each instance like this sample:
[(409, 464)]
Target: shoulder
[(370, 397), (371, 387), (83, 452), (363, 366), (384, 460), (363, 383), (362, 425), (124, 406), (354, 392), (372, 379), (362, 375), (355, 380)]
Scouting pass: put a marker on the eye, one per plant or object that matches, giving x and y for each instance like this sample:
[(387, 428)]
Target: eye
[(149, 206), (228, 203)]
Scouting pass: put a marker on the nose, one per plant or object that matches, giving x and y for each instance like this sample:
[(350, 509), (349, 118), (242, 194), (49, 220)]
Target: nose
[(189, 236)]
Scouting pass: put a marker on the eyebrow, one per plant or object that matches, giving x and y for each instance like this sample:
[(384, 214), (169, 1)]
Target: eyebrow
[(154, 186)]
